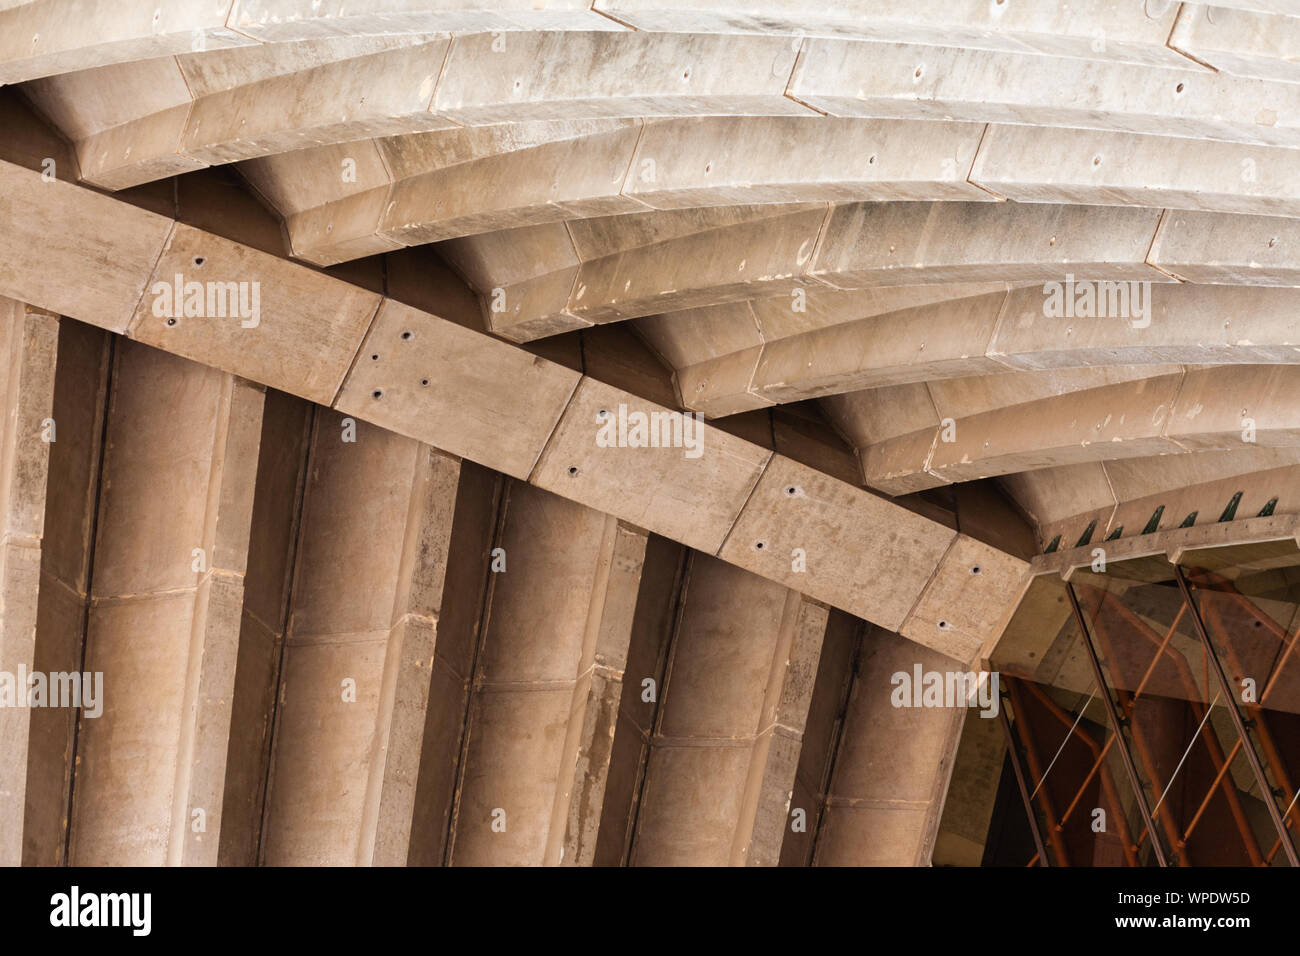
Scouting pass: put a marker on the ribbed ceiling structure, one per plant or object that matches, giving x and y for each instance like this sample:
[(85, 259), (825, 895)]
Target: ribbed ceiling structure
[(961, 289)]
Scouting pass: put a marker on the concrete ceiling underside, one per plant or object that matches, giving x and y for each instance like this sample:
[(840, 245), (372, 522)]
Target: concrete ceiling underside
[(347, 314)]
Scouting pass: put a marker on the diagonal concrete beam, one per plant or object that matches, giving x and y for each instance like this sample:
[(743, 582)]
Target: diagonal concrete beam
[(443, 384)]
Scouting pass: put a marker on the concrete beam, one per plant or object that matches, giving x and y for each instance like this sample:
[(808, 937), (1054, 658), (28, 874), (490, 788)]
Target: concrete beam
[(1128, 35), (1064, 500), (1037, 164), (1244, 42), (164, 611), (80, 404), (726, 742), (299, 348), (547, 678), (822, 732), (653, 624), (277, 509), (354, 685), (902, 81), (770, 354), (429, 187), (29, 343), (1206, 409), (893, 763), (48, 37), (136, 122), (533, 283)]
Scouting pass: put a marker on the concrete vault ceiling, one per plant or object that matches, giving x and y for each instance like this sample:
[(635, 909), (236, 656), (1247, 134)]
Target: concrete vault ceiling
[(949, 293)]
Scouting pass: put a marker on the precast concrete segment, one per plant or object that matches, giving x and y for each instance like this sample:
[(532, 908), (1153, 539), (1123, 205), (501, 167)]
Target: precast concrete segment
[(661, 489), (378, 511), (428, 187), (27, 377), (164, 611), (726, 742), (892, 767), (1201, 409), (67, 540), (547, 681), (47, 37)]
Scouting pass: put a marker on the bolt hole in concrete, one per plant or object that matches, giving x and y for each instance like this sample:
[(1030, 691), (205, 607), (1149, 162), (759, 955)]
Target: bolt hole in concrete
[(375, 357), (171, 321), (199, 260), (975, 570), (760, 545), (1178, 88), (792, 491), (944, 625), (424, 381), (407, 336), (377, 394), (573, 469)]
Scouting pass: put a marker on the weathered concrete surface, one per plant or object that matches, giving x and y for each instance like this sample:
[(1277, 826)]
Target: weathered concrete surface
[(80, 404), (354, 686), (277, 501), (49, 38), (821, 738), (893, 765), (1174, 412), (547, 679), (722, 759), (29, 340), (658, 489), (428, 187), (653, 624), (972, 791), (180, 458)]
